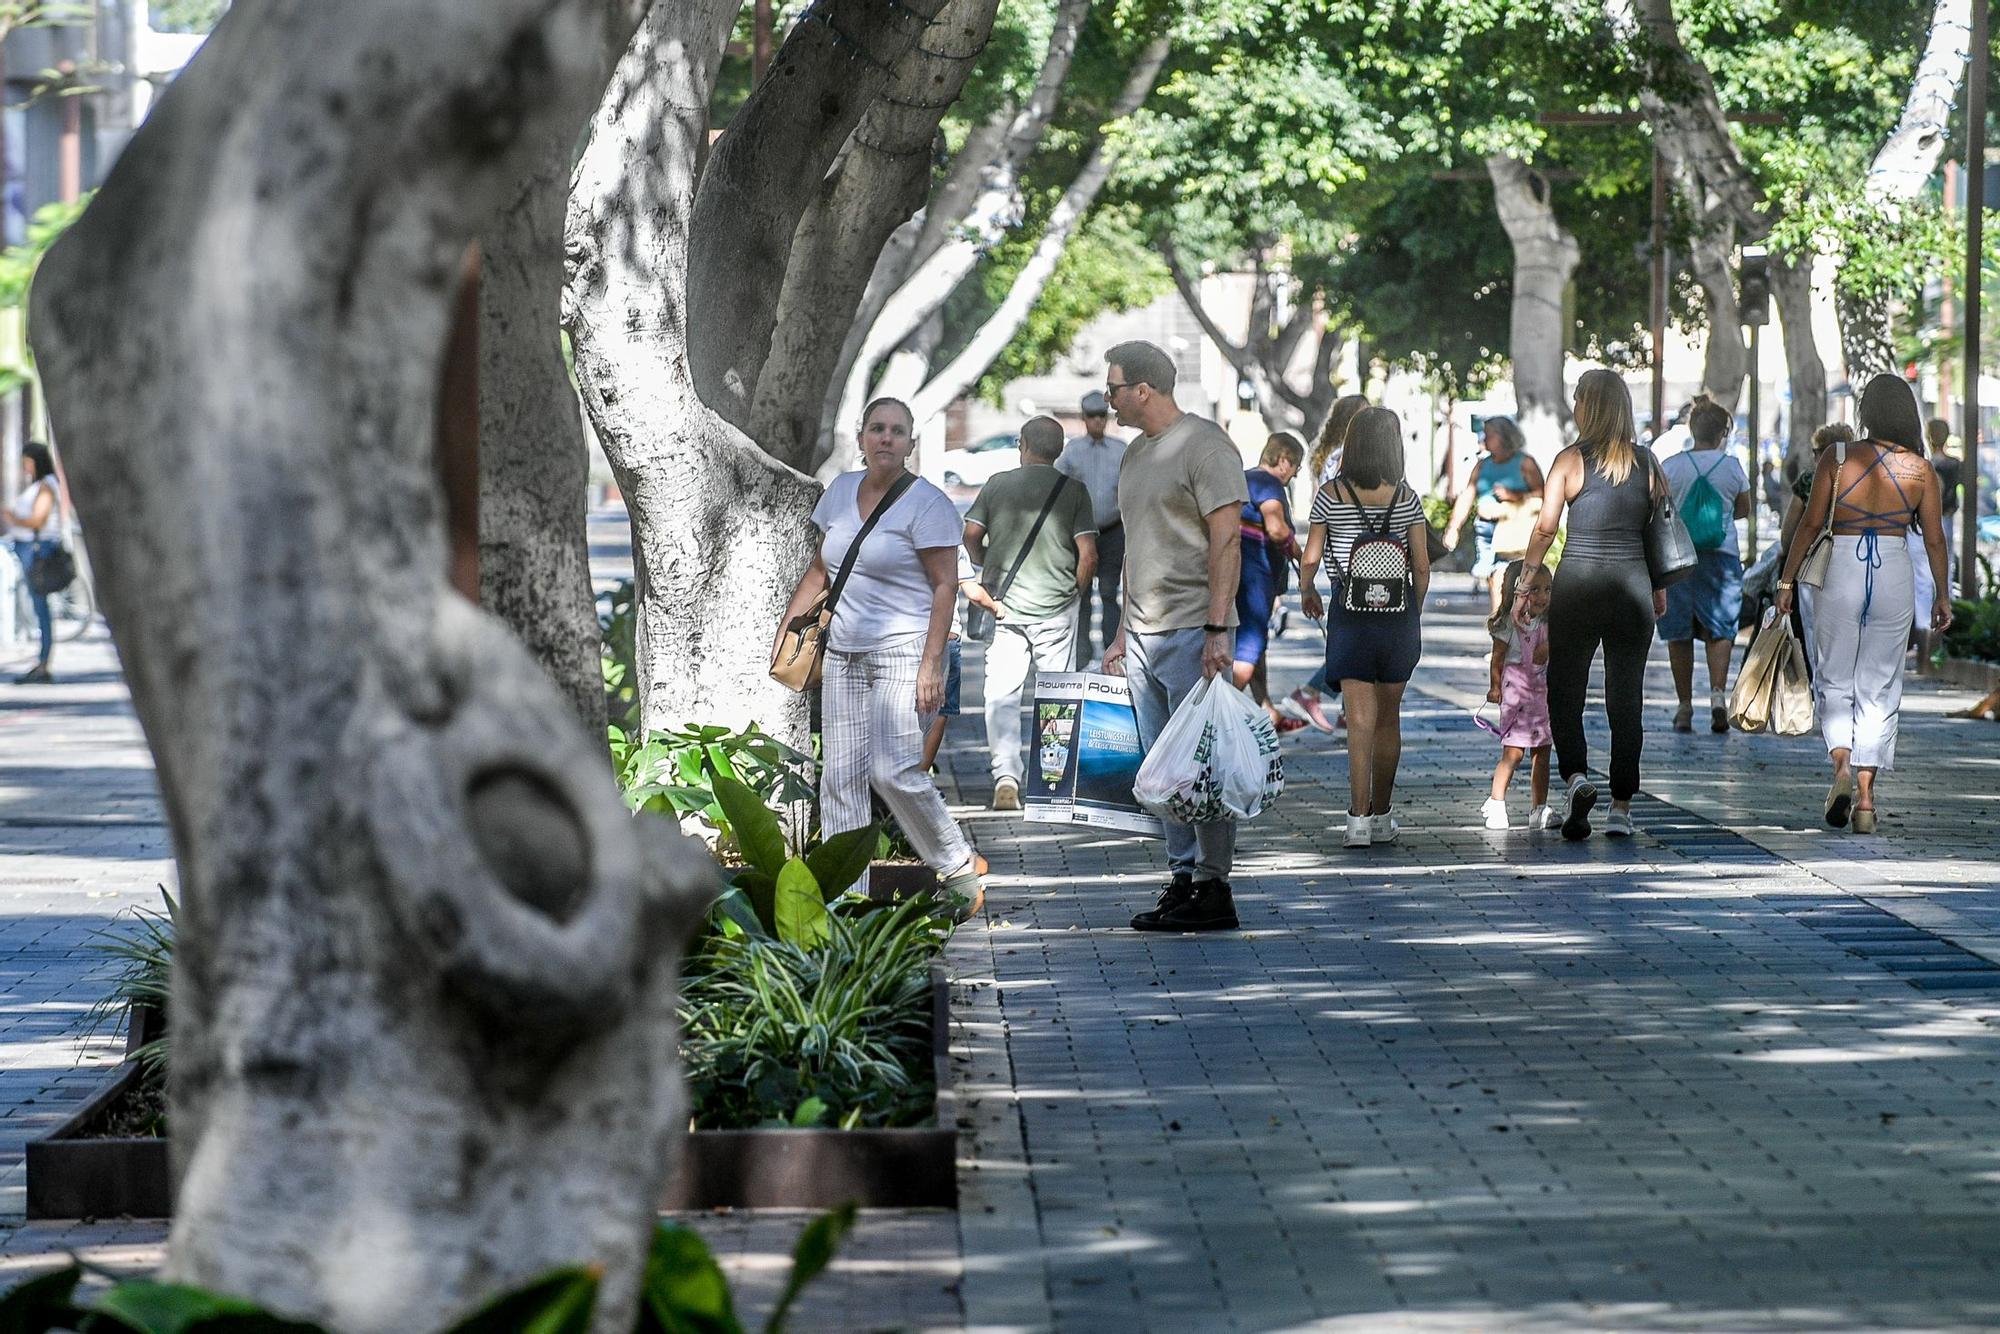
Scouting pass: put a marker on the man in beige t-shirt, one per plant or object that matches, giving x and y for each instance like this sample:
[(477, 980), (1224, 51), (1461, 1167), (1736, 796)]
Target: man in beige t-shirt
[(1181, 494)]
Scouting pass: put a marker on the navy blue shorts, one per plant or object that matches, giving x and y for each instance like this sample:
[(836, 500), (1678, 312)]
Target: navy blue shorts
[(1378, 647), (1707, 604), (951, 678), (1256, 595)]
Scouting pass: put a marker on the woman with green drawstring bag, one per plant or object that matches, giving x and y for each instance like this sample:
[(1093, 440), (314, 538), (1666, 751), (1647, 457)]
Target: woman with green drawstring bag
[(1711, 492)]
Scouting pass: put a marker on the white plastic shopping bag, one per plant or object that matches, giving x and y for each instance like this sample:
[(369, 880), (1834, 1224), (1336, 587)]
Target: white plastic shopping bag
[(1217, 756)]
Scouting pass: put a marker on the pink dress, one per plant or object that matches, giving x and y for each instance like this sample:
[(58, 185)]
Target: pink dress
[(1524, 690)]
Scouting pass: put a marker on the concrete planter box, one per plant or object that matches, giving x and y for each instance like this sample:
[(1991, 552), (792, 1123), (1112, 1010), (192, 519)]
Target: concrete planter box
[(1981, 677), (72, 1176)]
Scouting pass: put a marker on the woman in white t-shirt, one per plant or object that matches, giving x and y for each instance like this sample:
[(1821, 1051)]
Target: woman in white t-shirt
[(34, 524), (886, 648)]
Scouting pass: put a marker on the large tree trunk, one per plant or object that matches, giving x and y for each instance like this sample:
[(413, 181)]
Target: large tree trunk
[(1545, 259), (1264, 359), (721, 530), (534, 465), (423, 986), (878, 183), (951, 248), (766, 170), (992, 337), (1900, 173), (1791, 289), (1725, 356)]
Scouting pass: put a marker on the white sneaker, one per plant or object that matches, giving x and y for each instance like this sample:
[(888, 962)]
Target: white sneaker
[(1618, 824), (1494, 811), (1383, 828), (1359, 829), (1542, 818), (1006, 794)]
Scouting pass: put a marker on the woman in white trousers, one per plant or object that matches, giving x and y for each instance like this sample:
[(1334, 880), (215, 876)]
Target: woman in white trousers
[(1876, 489)]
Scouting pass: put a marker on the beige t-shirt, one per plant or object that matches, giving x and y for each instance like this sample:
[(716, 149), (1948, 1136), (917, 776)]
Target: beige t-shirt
[(1167, 486)]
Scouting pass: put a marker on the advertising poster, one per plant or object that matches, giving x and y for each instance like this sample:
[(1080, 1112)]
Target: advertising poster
[(1084, 755)]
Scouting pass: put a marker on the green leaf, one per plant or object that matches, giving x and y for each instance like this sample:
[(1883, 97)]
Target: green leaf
[(757, 831), (166, 1308), (685, 1291), (817, 1246), (839, 861), (253, 1324), (40, 1304), (810, 1112), (557, 1303), (801, 910), (762, 891), (733, 909)]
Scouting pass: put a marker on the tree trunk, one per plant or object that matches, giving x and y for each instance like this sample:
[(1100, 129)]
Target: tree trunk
[(424, 980), (721, 530), (534, 466), (955, 246), (1725, 357), (1264, 361), (1791, 289), (999, 329), (1900, 173), (766, 170), (879, 182), (1545, 259)]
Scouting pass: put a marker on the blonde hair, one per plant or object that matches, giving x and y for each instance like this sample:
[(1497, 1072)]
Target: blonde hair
[(1510, 583), (1333, 431), (1604, 429)]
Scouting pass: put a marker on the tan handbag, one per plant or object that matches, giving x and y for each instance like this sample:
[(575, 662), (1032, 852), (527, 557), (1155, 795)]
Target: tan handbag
[(801, 656), (1819, 556)]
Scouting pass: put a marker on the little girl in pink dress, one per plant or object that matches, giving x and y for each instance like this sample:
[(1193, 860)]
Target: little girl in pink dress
[(1521, 688)]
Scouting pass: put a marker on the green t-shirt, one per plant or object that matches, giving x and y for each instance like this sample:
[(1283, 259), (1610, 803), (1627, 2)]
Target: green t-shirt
[(1006, 509)]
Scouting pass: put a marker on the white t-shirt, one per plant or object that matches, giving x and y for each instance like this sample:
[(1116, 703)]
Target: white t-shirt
[(887, 599), (21, 513), (1724, 473)]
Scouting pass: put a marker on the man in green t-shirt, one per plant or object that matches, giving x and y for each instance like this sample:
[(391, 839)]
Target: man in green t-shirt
[(1033, 533)]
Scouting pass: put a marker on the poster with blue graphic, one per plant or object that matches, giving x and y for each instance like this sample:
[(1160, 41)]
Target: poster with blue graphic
[(1085, 754)]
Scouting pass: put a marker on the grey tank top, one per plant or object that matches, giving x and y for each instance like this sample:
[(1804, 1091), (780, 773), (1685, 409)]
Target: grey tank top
[(1607, 520)]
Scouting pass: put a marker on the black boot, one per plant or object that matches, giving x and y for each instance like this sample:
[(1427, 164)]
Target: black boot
[(1179, 891), (1211, 909)]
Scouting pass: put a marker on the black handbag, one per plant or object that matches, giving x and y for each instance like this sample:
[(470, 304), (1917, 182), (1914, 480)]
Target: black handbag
[(52, 572), (1670, 553), (978, 620)]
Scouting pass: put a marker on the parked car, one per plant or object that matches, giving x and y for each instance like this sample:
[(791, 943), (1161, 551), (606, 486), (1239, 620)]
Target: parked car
[(978, 462)]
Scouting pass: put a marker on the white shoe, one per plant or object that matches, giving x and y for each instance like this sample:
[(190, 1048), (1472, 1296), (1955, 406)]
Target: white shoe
[(1359, 831), (1618, 824), (1542, 818), (1494, 812), (1006, 794), (1383, 828)]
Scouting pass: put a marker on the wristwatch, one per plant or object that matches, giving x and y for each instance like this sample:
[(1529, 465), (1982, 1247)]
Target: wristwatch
[(1785, 583), (1216, 629)]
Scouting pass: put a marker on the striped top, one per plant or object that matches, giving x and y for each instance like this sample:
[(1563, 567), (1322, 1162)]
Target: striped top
[(1347, 523)]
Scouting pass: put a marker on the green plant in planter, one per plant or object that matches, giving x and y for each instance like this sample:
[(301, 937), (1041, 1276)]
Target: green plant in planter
[(775, 1033), (144, 954), (684, 1292), (787, 893), (673, 774)]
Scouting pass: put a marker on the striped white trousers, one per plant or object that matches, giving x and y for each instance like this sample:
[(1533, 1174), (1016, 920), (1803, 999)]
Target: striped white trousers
[(871, 735)]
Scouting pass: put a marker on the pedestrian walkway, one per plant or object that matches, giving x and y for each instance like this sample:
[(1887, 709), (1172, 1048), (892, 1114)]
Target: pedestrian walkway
[(1739, 1073)]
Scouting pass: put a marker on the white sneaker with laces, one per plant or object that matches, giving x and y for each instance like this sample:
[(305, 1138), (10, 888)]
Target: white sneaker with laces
[(1359, 828), (1542, 818), (1383, 828), (1618, 824), (1494, 811)]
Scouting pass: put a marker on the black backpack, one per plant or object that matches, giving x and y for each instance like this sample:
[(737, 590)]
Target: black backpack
[(1378, 568)]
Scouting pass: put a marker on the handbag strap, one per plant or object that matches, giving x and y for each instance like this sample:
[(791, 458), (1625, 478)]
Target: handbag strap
[(999, 591), (903, 483), (1839, 462)]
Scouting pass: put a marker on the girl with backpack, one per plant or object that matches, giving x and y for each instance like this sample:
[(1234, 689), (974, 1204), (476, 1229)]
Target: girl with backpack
[(1368, 526), (1711, 492)]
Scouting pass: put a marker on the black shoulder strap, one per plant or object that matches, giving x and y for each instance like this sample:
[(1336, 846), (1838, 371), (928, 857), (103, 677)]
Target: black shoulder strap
[(999, 590), (895, 493)]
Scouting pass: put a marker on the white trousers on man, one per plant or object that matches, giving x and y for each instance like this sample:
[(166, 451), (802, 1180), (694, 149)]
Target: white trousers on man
[(871, 735), (1018, 651), (1861, 629)]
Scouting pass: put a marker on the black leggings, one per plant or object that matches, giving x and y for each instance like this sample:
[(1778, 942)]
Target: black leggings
[(1610, 603)]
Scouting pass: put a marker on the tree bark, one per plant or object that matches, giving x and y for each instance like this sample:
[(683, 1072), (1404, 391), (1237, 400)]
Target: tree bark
[(534, 465), (950, 249), (1791, 289), (763, 175), (992, 337), (1545, 259), (424, 978), (1725, 356), (879, 182), (721, 530), (1261, 359)]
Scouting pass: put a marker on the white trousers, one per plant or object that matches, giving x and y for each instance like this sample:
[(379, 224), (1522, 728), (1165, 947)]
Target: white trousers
[(1861, 628), (1017, 653), (871, 735)]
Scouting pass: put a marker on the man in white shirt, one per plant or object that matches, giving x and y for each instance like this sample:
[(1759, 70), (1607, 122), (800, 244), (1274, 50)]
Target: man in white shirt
[(1094, 458)]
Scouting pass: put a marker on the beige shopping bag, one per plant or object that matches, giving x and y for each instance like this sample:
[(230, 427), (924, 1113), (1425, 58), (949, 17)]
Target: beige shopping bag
[(1772, 693)]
